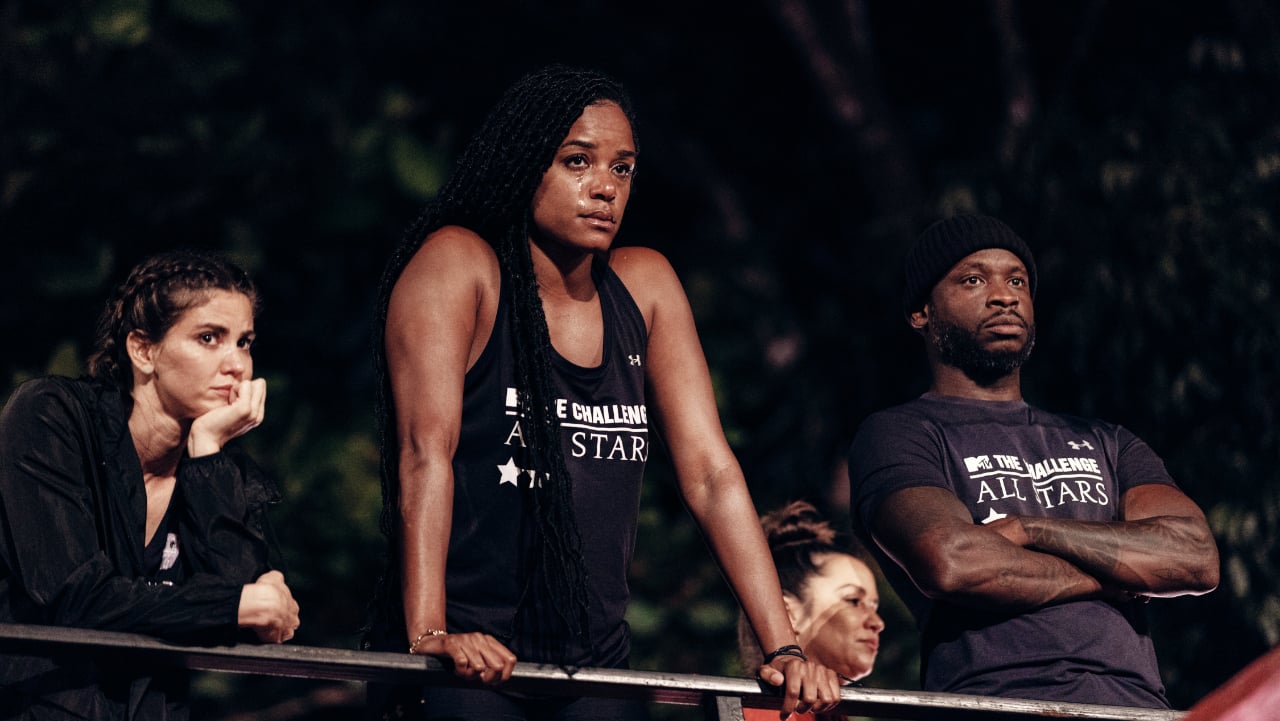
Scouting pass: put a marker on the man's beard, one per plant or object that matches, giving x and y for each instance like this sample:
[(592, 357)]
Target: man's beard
[(959, 348)]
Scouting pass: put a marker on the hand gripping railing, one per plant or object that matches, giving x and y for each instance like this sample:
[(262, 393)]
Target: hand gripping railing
[(722, 698)]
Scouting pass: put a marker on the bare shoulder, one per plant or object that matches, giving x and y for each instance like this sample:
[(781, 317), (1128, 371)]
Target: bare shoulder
[(453, 250), (640, 264), (449, 292), (647, 274), (450, 259)]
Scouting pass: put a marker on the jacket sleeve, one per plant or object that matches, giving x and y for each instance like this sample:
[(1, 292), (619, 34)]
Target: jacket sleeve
[(54, 529), (224, 522)]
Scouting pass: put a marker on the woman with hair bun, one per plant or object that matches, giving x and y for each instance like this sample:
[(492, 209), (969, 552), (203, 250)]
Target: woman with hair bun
[(830, 595), (121, 506)]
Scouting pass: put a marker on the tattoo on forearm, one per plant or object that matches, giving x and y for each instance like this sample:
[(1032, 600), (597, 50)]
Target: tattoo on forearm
[(1090, 545), (1140, 553)]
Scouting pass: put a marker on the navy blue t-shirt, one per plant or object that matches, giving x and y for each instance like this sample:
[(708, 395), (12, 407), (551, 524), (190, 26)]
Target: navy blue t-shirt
[(1009, 458)]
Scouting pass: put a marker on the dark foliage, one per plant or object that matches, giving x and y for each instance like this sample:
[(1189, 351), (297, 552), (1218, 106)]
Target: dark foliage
[(792, 149)]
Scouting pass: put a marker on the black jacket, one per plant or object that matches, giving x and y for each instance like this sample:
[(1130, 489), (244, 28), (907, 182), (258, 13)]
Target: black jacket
[(72, 521)]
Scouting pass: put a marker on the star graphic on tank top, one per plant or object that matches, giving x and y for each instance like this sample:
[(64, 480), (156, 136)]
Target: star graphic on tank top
[(993, 516), (510, 473)]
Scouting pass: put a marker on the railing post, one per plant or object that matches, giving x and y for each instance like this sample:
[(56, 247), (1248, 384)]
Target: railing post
[(723, 708)]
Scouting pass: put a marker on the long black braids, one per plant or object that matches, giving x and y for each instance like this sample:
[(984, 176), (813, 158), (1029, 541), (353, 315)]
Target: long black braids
[(491, 192)]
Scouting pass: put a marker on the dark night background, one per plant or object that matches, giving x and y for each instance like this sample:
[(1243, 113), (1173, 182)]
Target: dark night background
[(790, 150)]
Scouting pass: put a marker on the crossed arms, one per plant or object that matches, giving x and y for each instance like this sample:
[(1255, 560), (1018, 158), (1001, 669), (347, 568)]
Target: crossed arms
[(1161, 547)]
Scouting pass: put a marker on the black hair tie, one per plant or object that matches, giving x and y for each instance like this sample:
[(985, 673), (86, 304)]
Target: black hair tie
[(788, 650)]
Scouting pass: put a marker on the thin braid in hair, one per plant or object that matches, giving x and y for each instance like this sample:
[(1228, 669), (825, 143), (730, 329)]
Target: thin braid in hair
[(557, 541), (491, 193), (152, 298)]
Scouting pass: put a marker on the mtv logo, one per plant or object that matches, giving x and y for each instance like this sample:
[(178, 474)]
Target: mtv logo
[(978, 463)]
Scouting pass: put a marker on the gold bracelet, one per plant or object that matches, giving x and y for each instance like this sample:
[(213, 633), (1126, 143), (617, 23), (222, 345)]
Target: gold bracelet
[(413, 647)]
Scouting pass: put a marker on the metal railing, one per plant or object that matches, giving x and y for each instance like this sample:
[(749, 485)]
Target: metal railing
[(722, 698)]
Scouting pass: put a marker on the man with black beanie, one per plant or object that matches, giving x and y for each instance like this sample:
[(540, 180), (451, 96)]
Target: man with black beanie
[(1024, 542)]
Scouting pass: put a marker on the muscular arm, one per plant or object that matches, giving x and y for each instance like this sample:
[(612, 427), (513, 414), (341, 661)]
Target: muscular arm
[(440, 316), (711, 481), (931, 535), (438, 297), (1163, 547)]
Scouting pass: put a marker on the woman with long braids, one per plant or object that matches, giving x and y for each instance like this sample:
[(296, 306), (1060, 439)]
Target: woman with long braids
[(121, 505), (831, 597), (521, 358)]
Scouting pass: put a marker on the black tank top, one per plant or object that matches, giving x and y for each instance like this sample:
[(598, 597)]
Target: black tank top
[(605, 437)]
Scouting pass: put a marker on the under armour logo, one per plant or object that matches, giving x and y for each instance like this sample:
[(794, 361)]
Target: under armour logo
[(635, 359), (1077, 445), (994, 516)]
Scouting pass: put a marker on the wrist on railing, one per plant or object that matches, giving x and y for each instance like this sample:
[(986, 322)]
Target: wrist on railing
[(430, 632), (790, 649)]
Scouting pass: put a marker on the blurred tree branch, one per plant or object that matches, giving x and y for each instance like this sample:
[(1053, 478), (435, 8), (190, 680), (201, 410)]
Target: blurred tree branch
[(850, 90), (1020, 99)]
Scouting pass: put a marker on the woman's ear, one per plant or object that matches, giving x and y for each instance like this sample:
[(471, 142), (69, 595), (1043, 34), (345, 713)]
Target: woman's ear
[(793, 606), (141, 350)]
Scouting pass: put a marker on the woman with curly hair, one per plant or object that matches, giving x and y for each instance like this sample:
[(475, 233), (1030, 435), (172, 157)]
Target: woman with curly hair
[(830, 594)]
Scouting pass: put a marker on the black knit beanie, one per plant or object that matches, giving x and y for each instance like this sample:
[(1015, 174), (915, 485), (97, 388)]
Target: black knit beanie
[(946, 243)]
